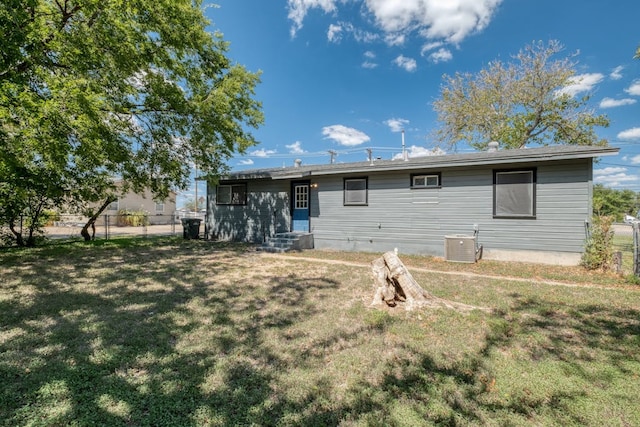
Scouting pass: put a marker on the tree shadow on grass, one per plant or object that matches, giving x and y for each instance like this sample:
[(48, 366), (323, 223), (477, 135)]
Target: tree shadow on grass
[(153, 341), (173, 348)]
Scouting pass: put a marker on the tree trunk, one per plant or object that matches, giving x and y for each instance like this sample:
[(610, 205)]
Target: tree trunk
[(92, 220), (16, 233), (395, 285)]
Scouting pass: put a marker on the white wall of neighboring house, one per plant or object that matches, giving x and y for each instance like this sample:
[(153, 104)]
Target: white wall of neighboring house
[(158, 211)]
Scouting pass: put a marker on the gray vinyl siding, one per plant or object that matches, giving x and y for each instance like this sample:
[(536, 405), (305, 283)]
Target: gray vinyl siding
[(266, 213), (417, 220)]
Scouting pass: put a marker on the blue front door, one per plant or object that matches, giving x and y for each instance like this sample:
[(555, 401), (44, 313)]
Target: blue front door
[(301, 207)]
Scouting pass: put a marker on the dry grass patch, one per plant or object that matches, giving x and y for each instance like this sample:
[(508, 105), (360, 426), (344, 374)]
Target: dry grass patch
[(171, 332)]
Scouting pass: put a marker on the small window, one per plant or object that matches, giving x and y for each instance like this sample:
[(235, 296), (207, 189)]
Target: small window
[(355, 191), (159, 207), (113, 206), (231, 194), (514, 194), (425, 181), (301, 193)]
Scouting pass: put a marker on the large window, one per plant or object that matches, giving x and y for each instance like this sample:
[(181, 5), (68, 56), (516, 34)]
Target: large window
[(514, 193), (355, 191), (431, 180), (231, 194)]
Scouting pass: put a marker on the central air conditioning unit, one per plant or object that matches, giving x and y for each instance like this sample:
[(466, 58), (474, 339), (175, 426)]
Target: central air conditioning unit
[(460, 248)]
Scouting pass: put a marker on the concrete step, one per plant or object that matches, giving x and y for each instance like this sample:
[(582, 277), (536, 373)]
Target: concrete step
[(284, 242)]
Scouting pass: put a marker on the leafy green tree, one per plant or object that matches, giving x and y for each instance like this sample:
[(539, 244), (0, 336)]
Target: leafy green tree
[(91, 90), (517, 103), (613, 202)]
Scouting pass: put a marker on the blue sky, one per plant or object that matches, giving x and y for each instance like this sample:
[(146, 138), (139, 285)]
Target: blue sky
[(347, 75)]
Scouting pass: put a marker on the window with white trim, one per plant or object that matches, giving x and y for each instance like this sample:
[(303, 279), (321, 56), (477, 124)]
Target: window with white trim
[(231, 194), (425, 180), (514, 193), (301, 194), (355, 191), (159, 207)]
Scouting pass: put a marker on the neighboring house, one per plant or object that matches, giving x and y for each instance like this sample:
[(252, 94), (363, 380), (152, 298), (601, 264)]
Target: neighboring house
[(528, 205), (159, 211)]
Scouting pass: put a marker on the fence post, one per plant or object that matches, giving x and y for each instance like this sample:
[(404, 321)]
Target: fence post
[(106, 227), (636, 261), (145, 219)]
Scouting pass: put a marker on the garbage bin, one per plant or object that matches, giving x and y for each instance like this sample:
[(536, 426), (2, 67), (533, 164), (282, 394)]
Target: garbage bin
[(191, 228)]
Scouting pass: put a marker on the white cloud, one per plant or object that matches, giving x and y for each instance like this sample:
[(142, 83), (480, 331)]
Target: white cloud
[(395, 39), (630, 134), (635, 160), (415, 151), (262, 153), (409, 64), (441, 55), (295, 148), (616, 177), (396, 125), (634, 89), (450, 21), (345, 135), (581, 83), (608, 171), (616, 74), (611, 103), (246, 162), (334, 34), (298, 10), (368, 63), (430, 46), (336, 31)]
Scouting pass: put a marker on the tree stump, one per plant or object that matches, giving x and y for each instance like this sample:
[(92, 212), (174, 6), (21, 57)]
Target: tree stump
[(395, 285)]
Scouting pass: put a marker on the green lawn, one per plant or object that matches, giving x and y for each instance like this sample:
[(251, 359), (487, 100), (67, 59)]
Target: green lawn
[(166, 332)]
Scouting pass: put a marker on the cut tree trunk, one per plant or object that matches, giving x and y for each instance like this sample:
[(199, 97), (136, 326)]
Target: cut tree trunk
[(395, 285)]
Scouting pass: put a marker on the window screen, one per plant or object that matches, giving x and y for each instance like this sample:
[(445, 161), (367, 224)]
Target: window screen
[(425, 181), (232, 194), (355, 191), (514, 194)]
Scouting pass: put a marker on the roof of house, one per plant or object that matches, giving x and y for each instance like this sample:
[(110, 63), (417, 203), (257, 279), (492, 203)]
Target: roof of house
[(528, 155)]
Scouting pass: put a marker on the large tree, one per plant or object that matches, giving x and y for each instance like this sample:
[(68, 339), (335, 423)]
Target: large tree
[(517, 103), (92, 90), (614, 202)]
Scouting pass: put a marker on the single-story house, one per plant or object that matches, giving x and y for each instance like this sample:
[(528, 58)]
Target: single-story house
[(527, 205), (158, 211)]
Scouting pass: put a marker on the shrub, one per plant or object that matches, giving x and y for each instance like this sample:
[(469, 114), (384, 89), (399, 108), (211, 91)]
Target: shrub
[(598, 252), (127, 218)]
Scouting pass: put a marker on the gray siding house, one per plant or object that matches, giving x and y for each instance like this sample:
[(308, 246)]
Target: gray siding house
[(527, 205)]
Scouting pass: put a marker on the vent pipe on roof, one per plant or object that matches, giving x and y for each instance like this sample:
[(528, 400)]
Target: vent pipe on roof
[(404, 151), (297, 163), (492, 147)]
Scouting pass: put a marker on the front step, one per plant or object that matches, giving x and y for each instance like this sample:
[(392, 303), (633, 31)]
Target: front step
[(285, 242)]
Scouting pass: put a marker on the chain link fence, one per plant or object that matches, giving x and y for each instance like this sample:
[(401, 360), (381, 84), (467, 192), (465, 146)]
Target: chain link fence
[(626, 241), (112, 225)]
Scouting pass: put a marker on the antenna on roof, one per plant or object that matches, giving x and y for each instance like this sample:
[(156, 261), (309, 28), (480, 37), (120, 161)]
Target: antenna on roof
[(333, 155), (369, 152)]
